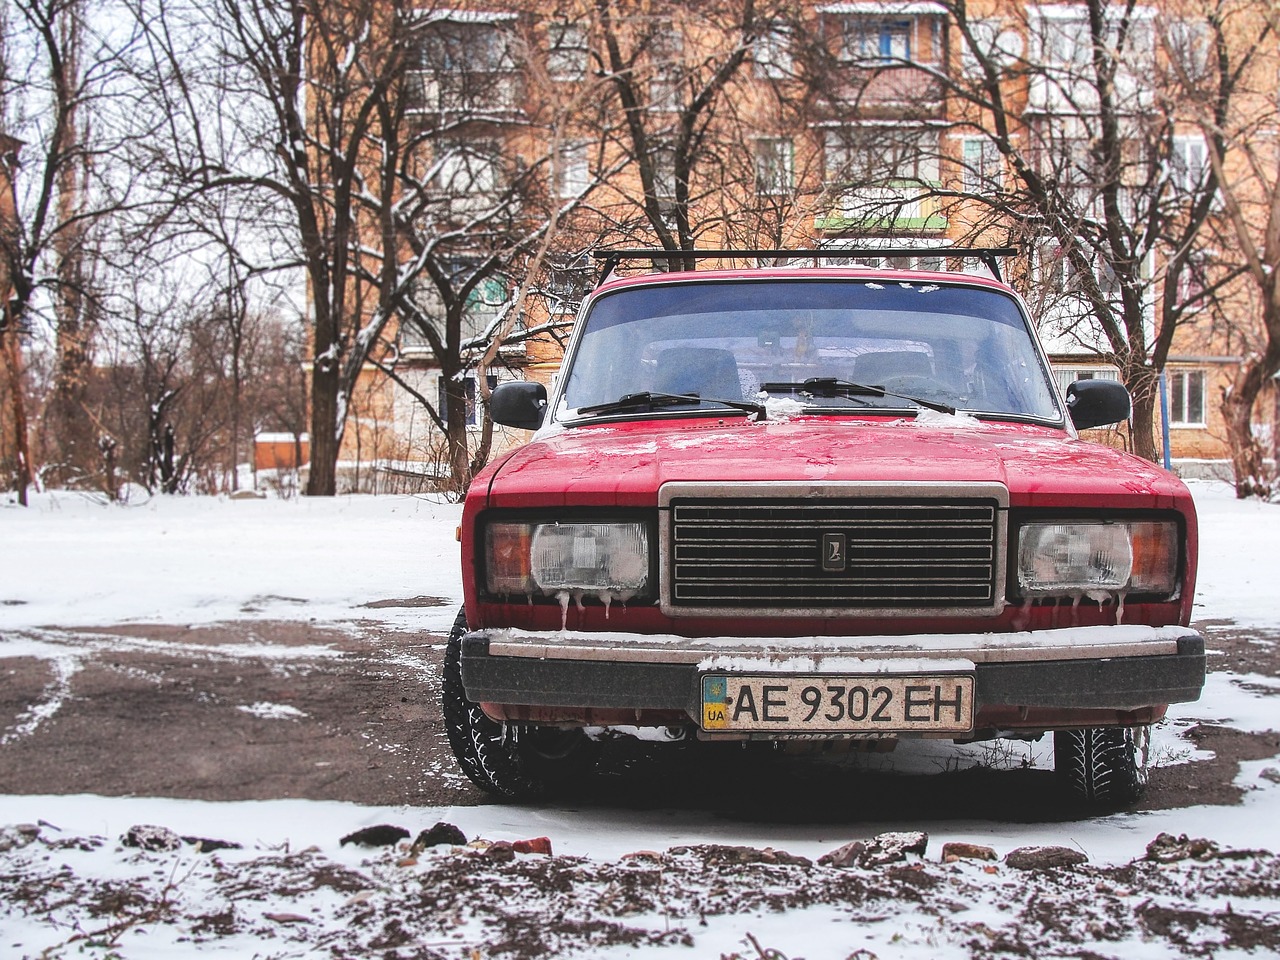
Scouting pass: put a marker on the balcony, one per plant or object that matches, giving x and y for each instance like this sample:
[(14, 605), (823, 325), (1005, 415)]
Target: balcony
[(465, 94), (895, 207), (896, 91)]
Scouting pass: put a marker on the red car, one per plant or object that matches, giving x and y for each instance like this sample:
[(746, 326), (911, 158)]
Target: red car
[(835, 503)]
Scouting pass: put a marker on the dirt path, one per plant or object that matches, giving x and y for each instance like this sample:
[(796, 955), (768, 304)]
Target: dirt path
[(246, 710), (258, 710)]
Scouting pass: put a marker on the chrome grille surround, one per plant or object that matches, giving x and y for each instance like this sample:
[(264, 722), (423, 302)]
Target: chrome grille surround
[(914, 549)]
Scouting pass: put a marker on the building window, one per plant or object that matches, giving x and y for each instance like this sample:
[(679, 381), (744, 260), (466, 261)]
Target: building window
[(1063, 38), (469, 388), (573, 173), (467, 64), (842, 161), (1003, 47), (1186, 398), (870, 41), (1189, 44), (772, 53), (1062, 52), (983, 171), (1193, 282), (1065, 376), (1190, 163), (567, 51), (480, 45), (468, 168), (775, 166), (1061, 274), (879, 154)]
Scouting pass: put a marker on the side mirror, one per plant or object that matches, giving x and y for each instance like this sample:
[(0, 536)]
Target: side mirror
[(1097, 403), (522, 404)]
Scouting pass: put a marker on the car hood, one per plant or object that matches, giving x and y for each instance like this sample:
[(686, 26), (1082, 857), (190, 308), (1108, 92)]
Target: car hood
[(625, 464)]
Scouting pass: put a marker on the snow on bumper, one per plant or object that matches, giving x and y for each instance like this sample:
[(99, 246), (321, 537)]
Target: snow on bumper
[(1111, 668)]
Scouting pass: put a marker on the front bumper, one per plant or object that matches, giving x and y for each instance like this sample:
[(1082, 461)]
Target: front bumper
[(1037, 680)]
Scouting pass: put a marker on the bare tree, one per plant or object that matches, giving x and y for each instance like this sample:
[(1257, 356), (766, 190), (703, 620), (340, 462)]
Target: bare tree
[(178, 377), (1243, 154), (238, 300), (67, 97), (1102, 180), (494, 158), (671, 75), (13, 388), (287, 111), (384, 128), (1073, 136)]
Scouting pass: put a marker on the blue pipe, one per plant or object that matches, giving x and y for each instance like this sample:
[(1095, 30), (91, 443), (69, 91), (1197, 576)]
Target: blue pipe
[(1164, 419)]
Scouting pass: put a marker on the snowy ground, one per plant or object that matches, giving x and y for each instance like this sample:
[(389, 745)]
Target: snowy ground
[(292, 891)]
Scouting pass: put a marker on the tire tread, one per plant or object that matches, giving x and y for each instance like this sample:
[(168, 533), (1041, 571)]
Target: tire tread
[(1101, 766)]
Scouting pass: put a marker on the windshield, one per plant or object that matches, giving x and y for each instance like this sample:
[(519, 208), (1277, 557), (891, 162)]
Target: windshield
[(965, 347)]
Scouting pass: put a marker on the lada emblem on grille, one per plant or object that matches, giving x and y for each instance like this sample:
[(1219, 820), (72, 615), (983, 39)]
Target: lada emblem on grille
[(835, 551)]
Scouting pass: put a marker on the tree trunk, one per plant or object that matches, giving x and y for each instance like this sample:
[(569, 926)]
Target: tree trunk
[(322, 481), (66, 419), (1144, 386), (21, 446), (1247, 454), (1275, 426), (107, 446), (167, 469), (67, 422), (236, 399), (456, 434)]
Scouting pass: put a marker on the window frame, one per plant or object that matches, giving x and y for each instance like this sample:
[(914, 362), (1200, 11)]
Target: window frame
[(568, 51), (469, 385), (1187, 171), (870, 40), (573, 173), (982, 173), (775, 166), (1184, 383), (771, 54), (480, 160), (1064, 376)]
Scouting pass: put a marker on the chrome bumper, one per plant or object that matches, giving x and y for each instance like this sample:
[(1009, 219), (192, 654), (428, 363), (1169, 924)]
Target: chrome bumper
[(1121, 668)]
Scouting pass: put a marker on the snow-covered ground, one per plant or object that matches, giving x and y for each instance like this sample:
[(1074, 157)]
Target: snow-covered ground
[(70, 561)]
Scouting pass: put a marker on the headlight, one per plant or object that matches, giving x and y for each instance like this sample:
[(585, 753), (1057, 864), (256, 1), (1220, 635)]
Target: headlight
[(1065, 558), (528, 558)]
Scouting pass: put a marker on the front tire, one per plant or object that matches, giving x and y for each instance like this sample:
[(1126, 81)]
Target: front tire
[(510, 761), (1103, 766)]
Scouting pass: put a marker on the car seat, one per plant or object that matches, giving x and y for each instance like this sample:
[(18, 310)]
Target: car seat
[(706, 371)]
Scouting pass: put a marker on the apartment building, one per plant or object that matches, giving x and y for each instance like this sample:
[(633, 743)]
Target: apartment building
[(806, 124)]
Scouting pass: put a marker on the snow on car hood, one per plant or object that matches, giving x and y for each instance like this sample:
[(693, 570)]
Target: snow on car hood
[(624, 464)]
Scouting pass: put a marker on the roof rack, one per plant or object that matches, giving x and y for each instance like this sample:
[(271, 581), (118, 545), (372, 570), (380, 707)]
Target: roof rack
[(611, 257)]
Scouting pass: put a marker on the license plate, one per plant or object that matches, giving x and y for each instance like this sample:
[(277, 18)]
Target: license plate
[(815, 704)]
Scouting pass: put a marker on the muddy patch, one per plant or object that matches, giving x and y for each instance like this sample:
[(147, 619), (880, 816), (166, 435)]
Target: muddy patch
[(407, 602)]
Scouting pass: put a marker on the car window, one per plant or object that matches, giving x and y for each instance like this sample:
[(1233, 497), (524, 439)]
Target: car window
[(968, 347)]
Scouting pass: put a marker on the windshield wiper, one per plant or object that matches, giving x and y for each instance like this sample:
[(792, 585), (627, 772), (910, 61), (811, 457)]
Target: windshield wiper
[(835, 387), (650, 400)]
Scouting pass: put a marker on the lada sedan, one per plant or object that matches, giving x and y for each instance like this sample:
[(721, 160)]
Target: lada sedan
[(817, 504)]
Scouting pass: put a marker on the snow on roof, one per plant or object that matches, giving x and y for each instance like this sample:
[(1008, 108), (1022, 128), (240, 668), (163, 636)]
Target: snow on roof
[(280, 438), (905, 8), (469, 16)]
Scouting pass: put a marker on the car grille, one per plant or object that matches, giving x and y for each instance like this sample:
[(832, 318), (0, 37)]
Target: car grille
[(898, 554)]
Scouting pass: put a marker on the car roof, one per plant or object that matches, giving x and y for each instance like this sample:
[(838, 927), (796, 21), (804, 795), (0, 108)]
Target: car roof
[(765, 274)]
